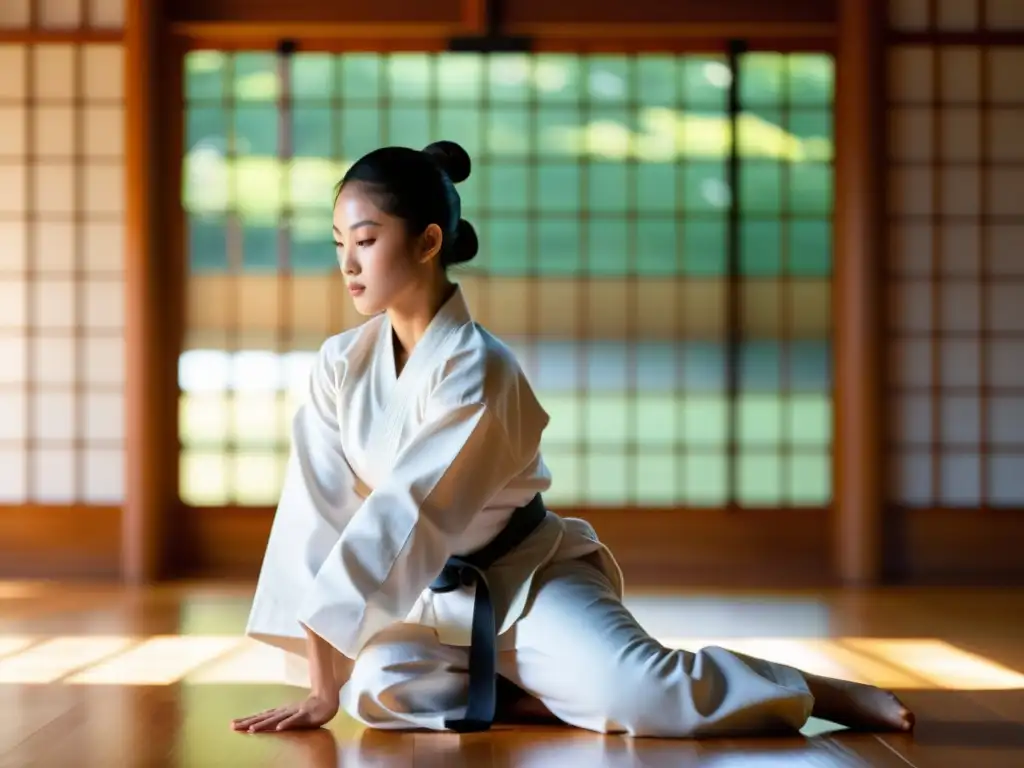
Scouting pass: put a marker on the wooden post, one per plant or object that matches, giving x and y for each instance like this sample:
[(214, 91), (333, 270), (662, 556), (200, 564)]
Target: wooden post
[(859, 304), (140, 521), (474, 16)]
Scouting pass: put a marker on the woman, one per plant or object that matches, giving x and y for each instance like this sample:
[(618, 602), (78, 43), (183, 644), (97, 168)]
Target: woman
[(412, 562)]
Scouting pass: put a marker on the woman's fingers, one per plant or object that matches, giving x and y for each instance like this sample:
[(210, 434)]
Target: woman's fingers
[(310, 714), (299, 719), (269, 722), (244, 722)]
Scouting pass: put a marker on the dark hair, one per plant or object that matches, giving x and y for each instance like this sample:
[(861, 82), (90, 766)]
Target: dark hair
[(418, 186)]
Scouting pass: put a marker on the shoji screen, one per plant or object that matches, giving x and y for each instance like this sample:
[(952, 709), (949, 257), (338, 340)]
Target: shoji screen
[(601, 196), (61, 257), (956, 256)]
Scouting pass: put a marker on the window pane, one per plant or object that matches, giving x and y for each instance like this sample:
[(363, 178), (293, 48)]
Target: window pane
[(558, 188), (312, 77), (705, 479), (607, 481), (760, 479), (205, 76), (312, 131), (810, 189), (606, 419), (656, 187), (204, 478), (810, 248), (760, 421), (609, 251), (655, 247), (255, 76), (809, 481), (809, 420), (656, 481), (508, 188), (761, 248), (600, 196)]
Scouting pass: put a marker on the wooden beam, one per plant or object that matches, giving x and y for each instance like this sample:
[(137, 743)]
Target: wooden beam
[(307, 32), (50, 541), (310, 35), (859, 212), (82, 36), (140, 523), (698, 547), (474, 16), (655, 547), (721, 30)]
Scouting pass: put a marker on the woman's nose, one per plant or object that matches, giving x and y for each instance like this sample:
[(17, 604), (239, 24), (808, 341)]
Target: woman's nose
[(349, 265)]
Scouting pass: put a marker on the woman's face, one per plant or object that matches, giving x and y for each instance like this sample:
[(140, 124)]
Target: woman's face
[(382, 263)]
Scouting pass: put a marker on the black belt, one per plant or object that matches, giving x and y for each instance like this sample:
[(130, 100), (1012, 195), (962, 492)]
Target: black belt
[(483, 649)]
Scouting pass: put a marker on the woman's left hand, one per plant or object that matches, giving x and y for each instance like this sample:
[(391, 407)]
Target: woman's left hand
[(311, 713)]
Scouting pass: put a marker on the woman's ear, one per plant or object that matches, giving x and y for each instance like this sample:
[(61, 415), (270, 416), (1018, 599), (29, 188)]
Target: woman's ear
[(430, 243)]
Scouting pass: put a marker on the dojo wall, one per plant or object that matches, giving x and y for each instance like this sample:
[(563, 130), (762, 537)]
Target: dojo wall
[(955, 281), (94, 301), (62, 288)]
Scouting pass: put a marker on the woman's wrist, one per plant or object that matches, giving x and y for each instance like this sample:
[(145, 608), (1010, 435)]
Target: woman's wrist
[(330, 696), (323, 682)]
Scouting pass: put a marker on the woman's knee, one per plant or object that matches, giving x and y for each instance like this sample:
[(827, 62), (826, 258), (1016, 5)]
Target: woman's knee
[(399, 675), (383, 666)]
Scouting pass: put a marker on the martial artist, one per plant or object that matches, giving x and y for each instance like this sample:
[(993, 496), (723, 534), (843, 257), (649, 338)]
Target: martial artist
[(412, 563)]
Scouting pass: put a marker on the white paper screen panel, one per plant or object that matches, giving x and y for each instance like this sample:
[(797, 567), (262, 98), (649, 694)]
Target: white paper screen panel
[(62, 15), (955, 15), (956, 259), (62, 319)]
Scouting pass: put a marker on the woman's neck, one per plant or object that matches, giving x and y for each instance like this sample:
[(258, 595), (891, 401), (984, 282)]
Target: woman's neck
[(409, 323)]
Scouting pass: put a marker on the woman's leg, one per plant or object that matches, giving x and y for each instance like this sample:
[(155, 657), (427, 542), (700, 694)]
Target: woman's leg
[(584, 656), (858, 706), (404, 678)]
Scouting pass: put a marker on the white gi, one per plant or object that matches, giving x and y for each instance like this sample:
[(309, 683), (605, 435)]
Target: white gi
[(391, 475)]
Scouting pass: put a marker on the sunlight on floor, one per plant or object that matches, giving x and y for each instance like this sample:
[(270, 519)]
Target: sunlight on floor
[(933, 661), (53, 658), (818, 656), (918, 663)]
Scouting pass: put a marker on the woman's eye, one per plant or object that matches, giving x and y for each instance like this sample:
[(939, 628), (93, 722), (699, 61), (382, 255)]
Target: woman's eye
[(366, 243)]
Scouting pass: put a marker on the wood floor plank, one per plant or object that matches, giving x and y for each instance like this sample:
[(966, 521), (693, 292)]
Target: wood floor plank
[(839, 750), (54, 640), (955, 729)]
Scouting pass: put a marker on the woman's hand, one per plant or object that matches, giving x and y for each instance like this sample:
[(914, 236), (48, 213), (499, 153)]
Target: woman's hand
[(311, 713)]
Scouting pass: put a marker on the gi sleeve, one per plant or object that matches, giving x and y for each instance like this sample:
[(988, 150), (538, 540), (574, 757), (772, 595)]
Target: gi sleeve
[(404, 532), (318, 499)]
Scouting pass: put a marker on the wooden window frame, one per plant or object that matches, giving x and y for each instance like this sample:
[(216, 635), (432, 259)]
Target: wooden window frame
[(698, 544), (856, 542)]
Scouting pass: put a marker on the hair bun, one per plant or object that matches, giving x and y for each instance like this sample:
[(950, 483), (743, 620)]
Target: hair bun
[(452, 158), (466, 244)]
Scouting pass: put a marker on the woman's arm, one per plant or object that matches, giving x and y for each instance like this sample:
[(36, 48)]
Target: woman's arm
[(406, 529), (318, 498), (328, 669)]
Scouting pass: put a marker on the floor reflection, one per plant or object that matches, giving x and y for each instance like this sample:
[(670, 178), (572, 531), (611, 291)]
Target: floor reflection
[(919, 663)]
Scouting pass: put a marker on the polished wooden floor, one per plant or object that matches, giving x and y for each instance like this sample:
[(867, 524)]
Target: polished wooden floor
[(100, 676)]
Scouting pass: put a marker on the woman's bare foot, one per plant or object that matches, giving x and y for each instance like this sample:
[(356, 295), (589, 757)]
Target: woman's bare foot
[(857, 706)]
